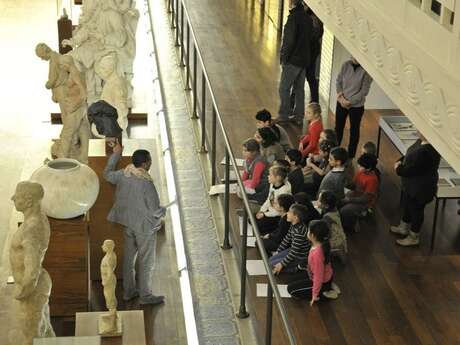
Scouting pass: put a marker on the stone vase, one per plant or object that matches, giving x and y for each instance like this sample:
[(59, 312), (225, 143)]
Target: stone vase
[(71, 188)]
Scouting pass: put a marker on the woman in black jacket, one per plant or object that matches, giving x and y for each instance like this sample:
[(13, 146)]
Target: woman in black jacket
[(418, 170)]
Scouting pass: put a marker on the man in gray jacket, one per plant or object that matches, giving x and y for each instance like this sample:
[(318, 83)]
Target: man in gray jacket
[(137, 208), (352, 85)]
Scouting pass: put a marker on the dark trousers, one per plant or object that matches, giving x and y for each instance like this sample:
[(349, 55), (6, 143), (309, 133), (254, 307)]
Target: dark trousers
[(313, 84), (413, 211), (303, 288), (267, 224), (356, 115)]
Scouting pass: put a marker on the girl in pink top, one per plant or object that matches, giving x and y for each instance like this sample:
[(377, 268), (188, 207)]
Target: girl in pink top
[(319, 281), (309, 142)]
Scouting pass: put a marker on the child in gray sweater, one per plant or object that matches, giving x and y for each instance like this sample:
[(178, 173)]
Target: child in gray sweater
[(335, 179)]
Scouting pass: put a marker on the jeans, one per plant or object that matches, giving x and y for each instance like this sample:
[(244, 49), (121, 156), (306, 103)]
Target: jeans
[(356, 115), (141, 245), (292, 78), (277, 258)]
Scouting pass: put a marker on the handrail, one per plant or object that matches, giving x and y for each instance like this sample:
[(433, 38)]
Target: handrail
[(173, 6)]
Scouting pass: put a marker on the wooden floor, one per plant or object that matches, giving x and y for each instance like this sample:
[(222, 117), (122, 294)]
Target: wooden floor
[(390, 295)]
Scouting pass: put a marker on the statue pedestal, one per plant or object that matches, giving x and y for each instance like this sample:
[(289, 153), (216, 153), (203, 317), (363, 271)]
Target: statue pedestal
[(67, 263), (96, 340), (86, 324), (110, 325)]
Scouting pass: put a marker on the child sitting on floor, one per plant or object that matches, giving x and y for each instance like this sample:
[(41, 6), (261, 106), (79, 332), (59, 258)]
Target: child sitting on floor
[(319, 282), (273, 239), (309, 142), (254, 166), (270, 147), (364, 191), (327, 203), (295, 176), (268, 217), (335, 179), (313, 181), (294, 248), (264, 119)]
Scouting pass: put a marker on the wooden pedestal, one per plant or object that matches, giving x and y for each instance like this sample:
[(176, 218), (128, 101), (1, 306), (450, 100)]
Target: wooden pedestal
[(133, 327), (64, 32), (96, 340), (67, 263), (100, 228), (140, 118)]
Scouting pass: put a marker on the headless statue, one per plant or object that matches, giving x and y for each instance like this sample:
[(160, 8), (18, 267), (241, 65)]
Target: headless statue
[(68, 89), (110, 323), (32, 282), (114, 91)]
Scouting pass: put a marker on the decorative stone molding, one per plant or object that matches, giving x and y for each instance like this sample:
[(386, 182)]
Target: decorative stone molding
[(428, 99)]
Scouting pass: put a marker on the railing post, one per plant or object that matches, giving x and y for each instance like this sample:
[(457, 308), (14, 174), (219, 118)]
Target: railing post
[(177, 23), (173, 13), (187, 60), (182, 35), (213, 146), (226, 244), (194, 113), (280, 16), (203, 114), (269, 316), (242, 313)]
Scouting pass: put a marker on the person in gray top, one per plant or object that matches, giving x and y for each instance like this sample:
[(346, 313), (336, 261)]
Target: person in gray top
[(353, 84), (137, 208)]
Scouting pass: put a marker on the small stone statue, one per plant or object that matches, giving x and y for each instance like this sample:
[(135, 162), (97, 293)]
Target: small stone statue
[(114, 91), (68, 89), (32, 282), (110, 323)]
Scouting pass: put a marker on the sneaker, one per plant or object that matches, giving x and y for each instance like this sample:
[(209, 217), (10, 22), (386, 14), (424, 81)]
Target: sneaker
[(331, 294), (412, 239), (152, 300), (401, 229), (336, 288)]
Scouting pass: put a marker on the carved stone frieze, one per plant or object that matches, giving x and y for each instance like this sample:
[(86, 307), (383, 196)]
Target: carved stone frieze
[(431, 101)]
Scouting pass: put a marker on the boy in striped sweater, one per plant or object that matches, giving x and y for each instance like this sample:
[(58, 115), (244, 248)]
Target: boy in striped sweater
[(294, 248)]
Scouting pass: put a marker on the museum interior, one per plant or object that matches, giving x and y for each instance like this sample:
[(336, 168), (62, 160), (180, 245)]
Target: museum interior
[(223, 172)]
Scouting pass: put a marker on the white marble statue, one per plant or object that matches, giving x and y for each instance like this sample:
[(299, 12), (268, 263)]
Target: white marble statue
[(28, 247), (110, 323), (68, 89), (114, 91), (105, 26)]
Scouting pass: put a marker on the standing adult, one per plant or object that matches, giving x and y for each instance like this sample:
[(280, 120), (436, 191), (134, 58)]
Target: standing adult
[(352, 85), (418, 170), (137, 208), (294, 56)]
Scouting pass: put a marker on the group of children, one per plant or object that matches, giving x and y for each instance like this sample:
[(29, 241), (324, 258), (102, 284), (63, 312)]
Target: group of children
[(305, 199)]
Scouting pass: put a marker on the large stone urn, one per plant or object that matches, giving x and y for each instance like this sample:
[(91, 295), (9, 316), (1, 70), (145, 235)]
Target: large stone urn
[(71, 188)]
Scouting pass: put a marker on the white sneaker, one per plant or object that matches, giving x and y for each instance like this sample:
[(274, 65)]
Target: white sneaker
[(331, 294), (401, 229), (336, 288), (412, 239)]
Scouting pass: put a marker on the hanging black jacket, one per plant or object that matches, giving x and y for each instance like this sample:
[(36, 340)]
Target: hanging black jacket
[(297, 38)]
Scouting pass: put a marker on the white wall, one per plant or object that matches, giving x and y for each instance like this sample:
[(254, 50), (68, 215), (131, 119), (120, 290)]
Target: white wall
[(377, 99)]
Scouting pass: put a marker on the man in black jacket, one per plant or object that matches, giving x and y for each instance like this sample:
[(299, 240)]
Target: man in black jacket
[(418, 170), (295, 54)]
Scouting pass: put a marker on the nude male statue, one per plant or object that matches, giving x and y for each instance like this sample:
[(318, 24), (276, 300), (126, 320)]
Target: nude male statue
[(68, 89), (108, 323), (28, 247)]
